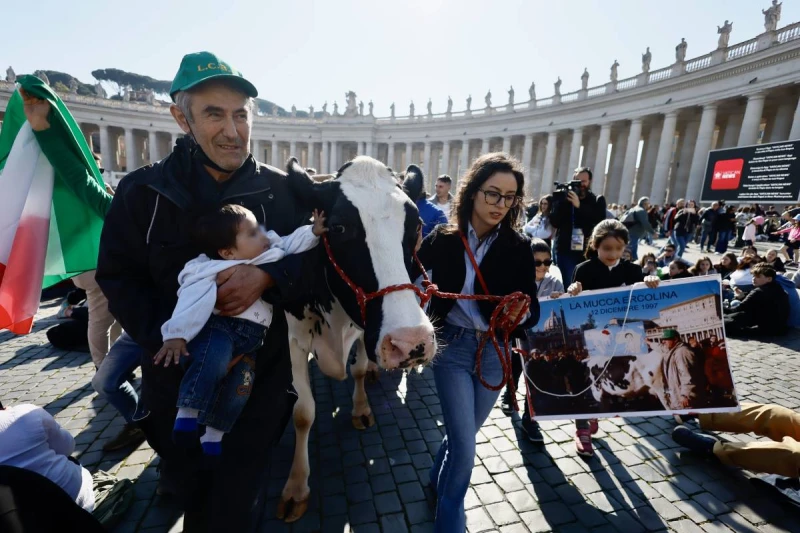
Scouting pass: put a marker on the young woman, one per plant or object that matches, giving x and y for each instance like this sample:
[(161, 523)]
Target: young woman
[(649, 265), (604, 269), (539, 226), (727, 265), (547, 286), (792, 243), (484, 233), (678, 269), (703, 267), (775, 261)]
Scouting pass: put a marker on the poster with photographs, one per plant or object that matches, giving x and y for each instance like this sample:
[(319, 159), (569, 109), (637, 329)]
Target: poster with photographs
[(631, 351)]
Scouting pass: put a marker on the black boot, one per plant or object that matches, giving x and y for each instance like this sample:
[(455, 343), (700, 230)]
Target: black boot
[(505, 403)]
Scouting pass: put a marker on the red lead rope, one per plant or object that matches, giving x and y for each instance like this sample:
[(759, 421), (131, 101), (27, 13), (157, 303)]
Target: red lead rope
[(501, 321)]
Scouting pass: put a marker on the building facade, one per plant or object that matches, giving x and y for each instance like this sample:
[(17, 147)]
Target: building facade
[(647, 135)]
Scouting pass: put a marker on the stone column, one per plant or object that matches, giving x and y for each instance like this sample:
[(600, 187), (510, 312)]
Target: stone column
[(485, 146), (659, 190), (464, 157), (362, 148), (540, 152), (507, 144), (781, 124), (334, 167), (409, 153), (575, 148), (312, 157), (629, 165), (599, 166), (548, 173), (687, 151), (705, 135), (274, 153), (732, 128), (326, 157), (563, 159), (613, 192), (752, 119), (370, 150), (590, 149), (527, 152), (644, 179), (426, 162), (130, 150), (293, 149), (152, 146), (390, 157), (794, 133), (106, 150), (445, 168)]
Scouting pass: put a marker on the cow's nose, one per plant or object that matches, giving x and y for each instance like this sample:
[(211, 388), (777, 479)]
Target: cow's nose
[(407, 344)]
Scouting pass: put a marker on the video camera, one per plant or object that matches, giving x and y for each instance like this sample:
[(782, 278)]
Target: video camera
[(560, 190)]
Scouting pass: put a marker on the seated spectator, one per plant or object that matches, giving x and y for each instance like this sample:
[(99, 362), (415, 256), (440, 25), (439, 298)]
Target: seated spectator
[(648, 264), (678, 269), (30, 438), (667, 256), (626, 255), (774, 261), (547, 286), (539, 227), (703, 267), (749, 251), (782, 425), (791, 246), (762, 311), (727, 265), (742, 278)]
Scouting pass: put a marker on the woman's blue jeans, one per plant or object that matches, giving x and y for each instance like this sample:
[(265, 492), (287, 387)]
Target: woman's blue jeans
[(680, 240), (466, 404), (723, 239)]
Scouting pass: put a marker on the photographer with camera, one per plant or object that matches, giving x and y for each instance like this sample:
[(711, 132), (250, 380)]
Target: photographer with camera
[(575, 213)]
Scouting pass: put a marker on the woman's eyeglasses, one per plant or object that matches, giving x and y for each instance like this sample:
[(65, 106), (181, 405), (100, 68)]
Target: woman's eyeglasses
[(493, 198), (546, 262)]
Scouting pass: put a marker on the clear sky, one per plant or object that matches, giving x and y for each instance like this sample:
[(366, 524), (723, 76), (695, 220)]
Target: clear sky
[(308, 51)]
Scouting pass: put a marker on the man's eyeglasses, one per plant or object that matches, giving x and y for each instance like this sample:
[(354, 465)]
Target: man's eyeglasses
[(546, 262), (493, 198)]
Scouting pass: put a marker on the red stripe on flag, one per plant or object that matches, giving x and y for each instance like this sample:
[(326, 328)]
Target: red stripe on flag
[(21, 283)]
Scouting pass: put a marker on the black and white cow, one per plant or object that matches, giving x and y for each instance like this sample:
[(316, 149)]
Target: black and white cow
[(373, 225), (627, 377)]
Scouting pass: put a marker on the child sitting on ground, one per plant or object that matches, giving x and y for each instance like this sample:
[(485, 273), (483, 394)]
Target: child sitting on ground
[(703, 267), (763, 311), (229, 236)]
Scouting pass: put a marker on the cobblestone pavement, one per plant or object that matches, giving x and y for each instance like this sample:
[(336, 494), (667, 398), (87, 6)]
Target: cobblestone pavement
[(373, 480)]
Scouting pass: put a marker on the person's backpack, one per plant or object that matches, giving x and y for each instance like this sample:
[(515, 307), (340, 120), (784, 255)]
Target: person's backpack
[(628, 218), (112, 497)]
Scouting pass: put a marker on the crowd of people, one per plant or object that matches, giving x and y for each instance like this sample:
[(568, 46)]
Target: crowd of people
[(154, 303)]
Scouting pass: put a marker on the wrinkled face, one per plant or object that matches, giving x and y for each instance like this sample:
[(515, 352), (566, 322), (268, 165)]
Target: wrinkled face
[(610, 250), (372, 232), (221, 122)]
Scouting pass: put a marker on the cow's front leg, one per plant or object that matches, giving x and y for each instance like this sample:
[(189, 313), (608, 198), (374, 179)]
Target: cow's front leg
[(362, 413), (294, 498)]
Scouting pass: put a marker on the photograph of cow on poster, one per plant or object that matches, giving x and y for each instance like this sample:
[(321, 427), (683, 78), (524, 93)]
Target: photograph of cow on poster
[(631, 352)]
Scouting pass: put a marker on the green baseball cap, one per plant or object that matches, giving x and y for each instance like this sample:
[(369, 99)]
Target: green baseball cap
[(670, 333), (202, 66)]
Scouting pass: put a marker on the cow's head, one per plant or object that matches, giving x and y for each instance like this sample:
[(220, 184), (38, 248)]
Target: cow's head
[(373, 226)]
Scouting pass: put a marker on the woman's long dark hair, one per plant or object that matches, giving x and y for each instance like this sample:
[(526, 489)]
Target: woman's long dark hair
[(481, 170)]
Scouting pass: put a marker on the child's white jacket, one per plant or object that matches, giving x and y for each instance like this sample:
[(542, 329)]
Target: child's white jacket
[(197, 294)]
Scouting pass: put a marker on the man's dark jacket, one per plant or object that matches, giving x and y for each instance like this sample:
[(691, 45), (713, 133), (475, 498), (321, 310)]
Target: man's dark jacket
[(147, 240), (765, 307), (591, 212)]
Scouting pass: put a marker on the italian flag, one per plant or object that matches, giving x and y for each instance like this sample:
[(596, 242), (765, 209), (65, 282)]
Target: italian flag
[(47, 234)]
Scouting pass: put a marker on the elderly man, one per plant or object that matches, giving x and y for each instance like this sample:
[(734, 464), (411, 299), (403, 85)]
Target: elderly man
[(147, 240), (678, 368)]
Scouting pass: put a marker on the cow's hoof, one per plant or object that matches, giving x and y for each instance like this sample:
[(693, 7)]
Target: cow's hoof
[(363, 421), (291, 511)]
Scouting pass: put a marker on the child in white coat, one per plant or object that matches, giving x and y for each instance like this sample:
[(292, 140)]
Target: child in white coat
[(203, 342)]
